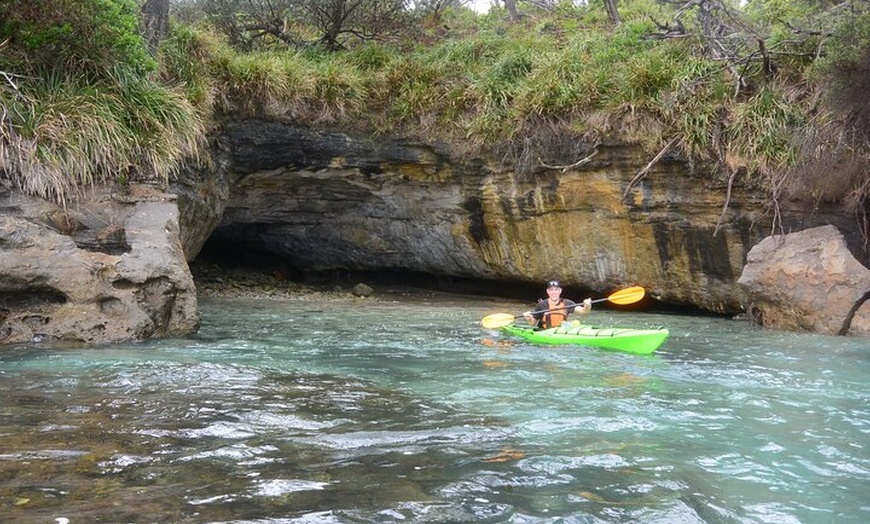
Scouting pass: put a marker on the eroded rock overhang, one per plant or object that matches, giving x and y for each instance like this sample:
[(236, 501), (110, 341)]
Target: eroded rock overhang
[(321, 200)]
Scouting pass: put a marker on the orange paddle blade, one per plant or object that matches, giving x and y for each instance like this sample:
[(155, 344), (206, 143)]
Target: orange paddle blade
[(629, 295)]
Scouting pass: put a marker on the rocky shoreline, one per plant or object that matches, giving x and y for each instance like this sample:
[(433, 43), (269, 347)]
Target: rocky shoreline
[(217, 282), (213, 281)]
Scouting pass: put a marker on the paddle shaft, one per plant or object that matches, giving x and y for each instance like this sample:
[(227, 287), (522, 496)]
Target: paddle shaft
[(621, 297), (597, 300)]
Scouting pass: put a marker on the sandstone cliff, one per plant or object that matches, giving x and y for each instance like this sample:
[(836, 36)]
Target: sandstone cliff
[(114, 267), (321, 200)]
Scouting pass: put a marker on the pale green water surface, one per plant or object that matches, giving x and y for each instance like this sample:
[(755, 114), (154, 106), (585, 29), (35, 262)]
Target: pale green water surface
[(299, 411)]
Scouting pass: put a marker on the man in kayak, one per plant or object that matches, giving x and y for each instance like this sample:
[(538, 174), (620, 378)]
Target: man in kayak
[(553, 310)]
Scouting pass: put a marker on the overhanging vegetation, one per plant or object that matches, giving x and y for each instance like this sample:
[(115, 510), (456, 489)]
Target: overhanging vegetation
[(770, 94)]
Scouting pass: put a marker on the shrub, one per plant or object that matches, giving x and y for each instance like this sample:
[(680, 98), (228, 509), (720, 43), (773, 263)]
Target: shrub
[(92, 37)]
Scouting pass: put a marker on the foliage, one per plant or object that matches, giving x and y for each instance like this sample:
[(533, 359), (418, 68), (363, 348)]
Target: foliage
[(556, 71), (78, 106), (335, 24), (846, 68), (186, 57), (93, 37), (544, 89), (309, 85), (835, 162), (437, 6)]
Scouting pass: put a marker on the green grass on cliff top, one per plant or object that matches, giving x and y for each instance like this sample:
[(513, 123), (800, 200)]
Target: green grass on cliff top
[(549, 87), (480, 82)]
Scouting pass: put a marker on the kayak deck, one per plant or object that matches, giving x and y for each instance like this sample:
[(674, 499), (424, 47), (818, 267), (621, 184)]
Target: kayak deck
[(638, 341)]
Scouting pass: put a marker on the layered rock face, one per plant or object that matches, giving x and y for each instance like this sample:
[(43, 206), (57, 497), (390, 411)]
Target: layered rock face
[(111, 270), (322, 200), (114, 268)]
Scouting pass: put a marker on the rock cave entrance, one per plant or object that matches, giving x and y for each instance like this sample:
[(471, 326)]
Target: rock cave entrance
[(232, 255)]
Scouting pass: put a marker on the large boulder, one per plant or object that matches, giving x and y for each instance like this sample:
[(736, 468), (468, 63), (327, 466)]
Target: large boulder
[(111, 270), (808, 281)]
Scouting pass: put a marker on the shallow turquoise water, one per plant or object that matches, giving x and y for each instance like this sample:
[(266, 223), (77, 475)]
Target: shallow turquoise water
[(411, 412)]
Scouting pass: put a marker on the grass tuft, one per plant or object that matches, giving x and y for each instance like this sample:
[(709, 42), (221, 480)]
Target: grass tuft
[(63, 133)]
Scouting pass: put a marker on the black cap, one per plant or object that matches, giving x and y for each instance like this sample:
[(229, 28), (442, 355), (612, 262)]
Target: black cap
[(553, 283)]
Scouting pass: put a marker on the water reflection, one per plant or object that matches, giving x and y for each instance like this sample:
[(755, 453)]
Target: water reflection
[(300, 412)]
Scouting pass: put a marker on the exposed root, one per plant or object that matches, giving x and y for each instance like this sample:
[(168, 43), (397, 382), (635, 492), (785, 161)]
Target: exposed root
[(576, 164), (727, 200), (646, 169), (847, 322)]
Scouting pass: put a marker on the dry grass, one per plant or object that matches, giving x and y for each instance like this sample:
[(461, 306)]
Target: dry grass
[(61, 134)]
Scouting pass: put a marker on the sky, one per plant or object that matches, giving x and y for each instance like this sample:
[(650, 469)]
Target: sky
[(481, 6)]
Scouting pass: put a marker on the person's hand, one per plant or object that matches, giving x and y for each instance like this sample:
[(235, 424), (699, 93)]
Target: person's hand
[(529, 317), (586, 307)]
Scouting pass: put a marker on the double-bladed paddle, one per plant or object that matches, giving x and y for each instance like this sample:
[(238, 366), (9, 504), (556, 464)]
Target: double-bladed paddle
[(628, 295)]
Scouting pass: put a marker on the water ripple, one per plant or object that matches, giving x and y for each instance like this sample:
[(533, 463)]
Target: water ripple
[(285, 412)]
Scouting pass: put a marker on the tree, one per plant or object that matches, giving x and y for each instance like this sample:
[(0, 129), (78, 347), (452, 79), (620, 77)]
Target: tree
[(342, 20), (300, 23), (612, 13), (511, 6), (155, 22), (246, 23)]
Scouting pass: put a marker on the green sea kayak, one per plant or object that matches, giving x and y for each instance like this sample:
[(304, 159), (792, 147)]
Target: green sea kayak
[(639, 341)]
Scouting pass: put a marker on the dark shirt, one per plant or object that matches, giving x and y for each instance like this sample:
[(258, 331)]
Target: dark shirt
[(544, 304)]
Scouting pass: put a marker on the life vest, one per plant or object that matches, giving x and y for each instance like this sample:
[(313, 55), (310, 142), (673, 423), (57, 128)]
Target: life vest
[(552, 319)]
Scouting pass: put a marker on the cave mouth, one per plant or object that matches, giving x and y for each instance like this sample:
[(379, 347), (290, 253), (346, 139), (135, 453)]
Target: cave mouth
[(234, 258), (230, 258)]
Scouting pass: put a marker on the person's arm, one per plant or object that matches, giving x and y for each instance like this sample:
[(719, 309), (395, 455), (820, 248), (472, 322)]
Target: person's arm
[(584, 308), (534, 316)]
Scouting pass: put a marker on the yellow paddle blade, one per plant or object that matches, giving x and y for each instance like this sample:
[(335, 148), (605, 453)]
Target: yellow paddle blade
[(629, 295), (497, 320)]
